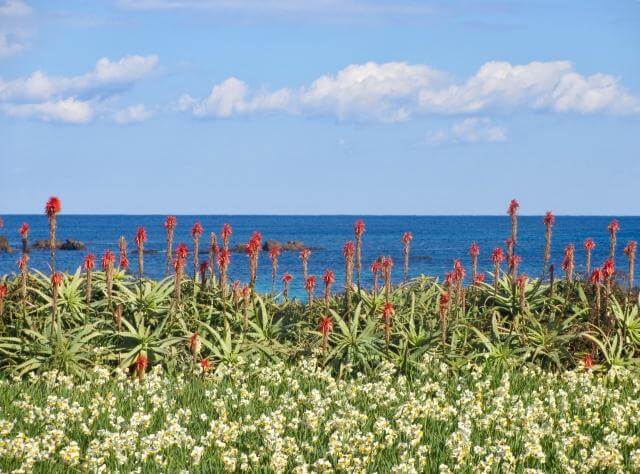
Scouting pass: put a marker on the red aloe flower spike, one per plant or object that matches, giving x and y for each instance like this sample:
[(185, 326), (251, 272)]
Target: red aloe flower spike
[(613, 228), (329, 279), (56, 281), (596, 277), (376, 268), (4, 291), (195, 345), (170, 223), (325, 327), (589, 245), (549, 220), (196, 233), (407, 237), (513, 213), (630, 252), (274, 255), (304, 256), (514, 263), (310, 285), (225, 233), (141, 238), (24, 237), (358, 230), (205, 365), (141, 364), (52, 209), (510, 244), (253, 248), (213, 256), (224, 259), (204, 268), (124, 259), (521, 283), (286, 279), (568, 262), (88, 264), (497, 257), (474, 252), (387, 265), (348, 250), (478, 279), (445, 297), (179, 264), (107, 266)]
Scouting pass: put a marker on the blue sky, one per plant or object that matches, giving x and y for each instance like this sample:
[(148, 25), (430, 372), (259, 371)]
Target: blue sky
[(320, 107)]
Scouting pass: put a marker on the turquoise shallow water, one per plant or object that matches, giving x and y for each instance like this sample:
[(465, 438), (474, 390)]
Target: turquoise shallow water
[(438, 240)]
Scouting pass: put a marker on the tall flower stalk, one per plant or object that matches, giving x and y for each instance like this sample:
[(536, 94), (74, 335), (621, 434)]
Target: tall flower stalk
[(568, 262), (613, 228), (407, 237), (358, 231), (170, 223), (310, 286), (474, 253), (630, 252), (329, 278), (196, 233), (213, 256), (204, 269), (325, 327), (521, 284), (253, 248), (123, 264), (107, 267), (514, 264), (549, 220), (376, 268), (52, 209), (225, 233), (387, 315), (23, 266), (512, 210), (246, 300), (56, 281), (443, 308), (179, 265), (4, 291), (387, 266), (286, 280), (141, 238), (304, 257), (24, 237), (497, 257), (274, 255), (596, 279), (348, 251), (589, 246), (88, 264), (224, 259)]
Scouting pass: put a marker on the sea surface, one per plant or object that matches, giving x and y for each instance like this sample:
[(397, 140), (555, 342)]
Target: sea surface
[(438, 240)]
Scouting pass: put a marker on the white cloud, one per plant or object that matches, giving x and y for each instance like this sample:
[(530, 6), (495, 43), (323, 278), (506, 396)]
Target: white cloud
[(133, 114), (77, 99), (67, 111), (469, 130), (14, 29), (397, 91)]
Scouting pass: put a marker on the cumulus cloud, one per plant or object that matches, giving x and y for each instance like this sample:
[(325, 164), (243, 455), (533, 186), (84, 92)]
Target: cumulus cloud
[(469, 130), (133, 114), (397, 91), (76, 99), (14, 27)]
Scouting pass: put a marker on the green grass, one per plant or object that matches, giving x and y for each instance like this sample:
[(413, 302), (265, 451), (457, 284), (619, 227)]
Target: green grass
[(284, 417)]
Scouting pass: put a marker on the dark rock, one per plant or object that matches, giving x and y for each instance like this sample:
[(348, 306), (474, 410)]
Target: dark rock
[(288, 246), (4, 245), (71, 244), (420, 258), (68, 244)]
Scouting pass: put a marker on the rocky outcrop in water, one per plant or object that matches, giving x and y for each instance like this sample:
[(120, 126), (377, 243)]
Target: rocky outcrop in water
[(4, 245), (68, 244)]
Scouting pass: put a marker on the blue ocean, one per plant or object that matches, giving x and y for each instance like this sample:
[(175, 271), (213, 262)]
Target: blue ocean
[(437, 241)]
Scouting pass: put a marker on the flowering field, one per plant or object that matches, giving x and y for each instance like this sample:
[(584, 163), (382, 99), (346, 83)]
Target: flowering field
[(105, 370), (299, 418)]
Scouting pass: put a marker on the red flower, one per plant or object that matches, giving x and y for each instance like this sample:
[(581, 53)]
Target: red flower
[(387, 311), (449, 278), (194, 343), (521, 281), (376, 267), (310, 283), (53, 206), (170, 223), (596, 277), (513, 207), (567, 261), (474, 250), (141, 236), (587, 361), (458, 271), (326, 325), (630, 249), (589, 244), (89, 262), (358, 228), (24, 230), (204, 266), (107, 260), (182, 251), (479, 278), (224, 258), (124, 262), (329, 277), (22, 262), (386, 263), (274, 252), (4, 291), (549, 219), (56, 279), (205, 365), (196, 230), (141, 364), (609, 268), (286, 278), (226, 232), (444, 300), (407, 237), (613, 227), (235, 286), (305, 254), (515, 260), (509, 243), (497, 256), (348, 250)]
